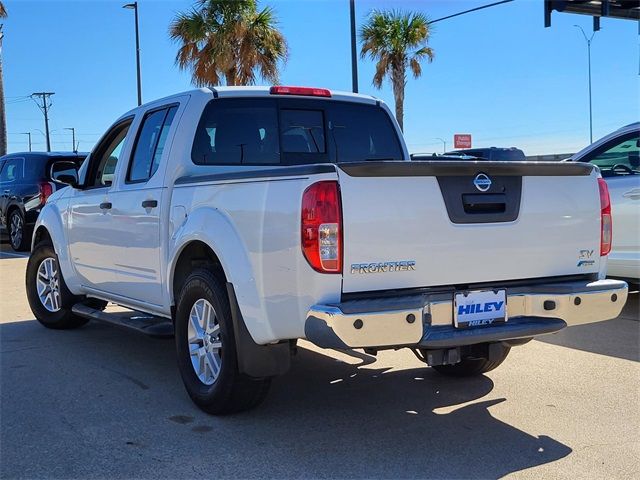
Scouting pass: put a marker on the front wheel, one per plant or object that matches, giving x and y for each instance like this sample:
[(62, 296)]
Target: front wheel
[(206, 349), (471, 365), (49, 298)]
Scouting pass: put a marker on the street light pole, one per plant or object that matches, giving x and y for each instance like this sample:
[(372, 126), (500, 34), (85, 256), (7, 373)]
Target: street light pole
[(73, 136), (29, 134), (588, 40), (354, 53), (134, 6), (444, 144)]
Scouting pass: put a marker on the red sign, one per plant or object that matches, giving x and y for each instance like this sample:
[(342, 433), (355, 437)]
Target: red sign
[(462, 140)]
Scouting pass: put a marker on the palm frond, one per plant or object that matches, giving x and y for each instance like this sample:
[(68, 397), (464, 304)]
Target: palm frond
[(230, 40), (396, 41)]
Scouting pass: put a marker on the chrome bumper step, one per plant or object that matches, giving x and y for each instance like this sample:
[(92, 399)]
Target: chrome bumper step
[(520, 327), (427, 320)]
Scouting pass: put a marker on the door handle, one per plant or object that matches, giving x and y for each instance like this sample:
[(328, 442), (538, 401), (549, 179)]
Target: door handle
[(633, 194), (7, 191), (105, 206), (150, 204)]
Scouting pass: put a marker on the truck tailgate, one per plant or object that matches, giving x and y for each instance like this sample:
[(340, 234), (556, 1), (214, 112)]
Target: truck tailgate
[(419, 224)]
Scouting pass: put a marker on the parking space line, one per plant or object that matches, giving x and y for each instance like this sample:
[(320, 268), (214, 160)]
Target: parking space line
[(15, 255)]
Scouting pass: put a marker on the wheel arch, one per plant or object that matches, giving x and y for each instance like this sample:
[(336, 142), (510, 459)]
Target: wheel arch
[(40, 234), (193, 254), (50, 223), (209, 236)]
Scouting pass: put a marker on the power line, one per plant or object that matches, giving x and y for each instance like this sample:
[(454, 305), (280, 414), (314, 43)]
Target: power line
[(469, 11)]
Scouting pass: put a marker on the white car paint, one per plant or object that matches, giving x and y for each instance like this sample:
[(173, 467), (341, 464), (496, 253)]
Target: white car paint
[(624, 259), (128, 254)]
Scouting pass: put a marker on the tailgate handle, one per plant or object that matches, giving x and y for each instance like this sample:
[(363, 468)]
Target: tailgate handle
[(479, 203)]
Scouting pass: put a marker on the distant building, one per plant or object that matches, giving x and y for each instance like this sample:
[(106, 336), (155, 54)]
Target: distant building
[(550, 157)]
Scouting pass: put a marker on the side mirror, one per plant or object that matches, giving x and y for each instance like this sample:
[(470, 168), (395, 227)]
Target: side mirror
[(65, 172)]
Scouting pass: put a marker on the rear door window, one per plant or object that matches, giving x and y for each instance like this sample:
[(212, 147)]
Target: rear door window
[(266, 131), (149, 146), (13, 170)]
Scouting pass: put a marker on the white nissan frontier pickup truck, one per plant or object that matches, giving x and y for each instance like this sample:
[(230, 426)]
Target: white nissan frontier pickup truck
[(242, 219)]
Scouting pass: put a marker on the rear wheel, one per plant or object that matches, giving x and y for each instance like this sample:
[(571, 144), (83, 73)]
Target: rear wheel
[(49, 298), (206, 350), (474, 365), (18, 233)]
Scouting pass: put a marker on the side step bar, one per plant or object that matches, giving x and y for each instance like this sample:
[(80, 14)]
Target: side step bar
[(130, 319)]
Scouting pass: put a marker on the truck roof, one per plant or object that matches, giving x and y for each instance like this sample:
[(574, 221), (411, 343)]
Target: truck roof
[(256, 91), (249, 91)]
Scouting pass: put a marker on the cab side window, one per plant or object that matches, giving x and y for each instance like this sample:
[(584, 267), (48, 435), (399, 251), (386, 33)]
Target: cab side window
[(149, 146), (12, 171), (107, 155), (622, 158)]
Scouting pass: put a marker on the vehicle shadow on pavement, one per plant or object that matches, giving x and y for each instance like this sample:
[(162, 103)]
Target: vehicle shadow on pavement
[(6, 251), (100, 402), (619, 337)]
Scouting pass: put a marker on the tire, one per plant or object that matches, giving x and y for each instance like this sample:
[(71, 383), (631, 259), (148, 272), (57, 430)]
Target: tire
[(19, 237), (471, 366), (51, 313), (228, 390)]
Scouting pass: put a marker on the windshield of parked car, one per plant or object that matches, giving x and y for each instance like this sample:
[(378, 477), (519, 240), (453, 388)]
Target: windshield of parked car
[(269, 131)]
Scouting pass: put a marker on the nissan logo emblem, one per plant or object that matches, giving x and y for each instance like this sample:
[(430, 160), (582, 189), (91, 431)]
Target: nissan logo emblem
[(482, 182)]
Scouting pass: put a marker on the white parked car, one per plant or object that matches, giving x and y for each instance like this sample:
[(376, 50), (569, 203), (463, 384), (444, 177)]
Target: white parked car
[(244, 219), (618, 157)]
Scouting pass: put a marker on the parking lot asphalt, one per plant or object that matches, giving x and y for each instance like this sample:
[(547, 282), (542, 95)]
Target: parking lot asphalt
[(101, 402)]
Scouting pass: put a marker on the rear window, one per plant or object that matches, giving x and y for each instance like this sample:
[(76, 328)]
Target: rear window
[(268, 131)]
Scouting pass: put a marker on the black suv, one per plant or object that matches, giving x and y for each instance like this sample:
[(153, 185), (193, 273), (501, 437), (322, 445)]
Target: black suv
[(26, 180), (494, 154)]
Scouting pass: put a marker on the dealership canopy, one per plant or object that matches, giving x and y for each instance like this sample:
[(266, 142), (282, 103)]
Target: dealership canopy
[(624, 9)]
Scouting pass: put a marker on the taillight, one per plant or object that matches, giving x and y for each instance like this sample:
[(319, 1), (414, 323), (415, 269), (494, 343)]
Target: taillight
[(305, 91), (45, 190), (606, 229), (321, 227)]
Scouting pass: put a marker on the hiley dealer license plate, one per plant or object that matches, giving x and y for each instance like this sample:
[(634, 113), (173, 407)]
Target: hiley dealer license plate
[(481, 307)]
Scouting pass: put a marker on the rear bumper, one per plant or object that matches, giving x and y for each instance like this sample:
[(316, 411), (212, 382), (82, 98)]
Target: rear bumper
[(426, 320)]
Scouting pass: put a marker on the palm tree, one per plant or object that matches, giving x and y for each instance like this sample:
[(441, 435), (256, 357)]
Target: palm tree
[(229, 40), (397, 41), (3, 118)]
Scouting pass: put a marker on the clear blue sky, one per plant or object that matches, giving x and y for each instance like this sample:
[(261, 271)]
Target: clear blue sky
[(498, 73)]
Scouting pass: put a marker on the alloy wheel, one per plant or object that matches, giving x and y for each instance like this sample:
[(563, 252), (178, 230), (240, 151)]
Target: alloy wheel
[(16, 230), (205, 341), (48, 284)]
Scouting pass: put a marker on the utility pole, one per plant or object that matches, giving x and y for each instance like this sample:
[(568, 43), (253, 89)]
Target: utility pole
[(588, 40), (444, 144), (44, 96), (354, 53), (73, 141), (29, 134), (134, 6), (3, 117)]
